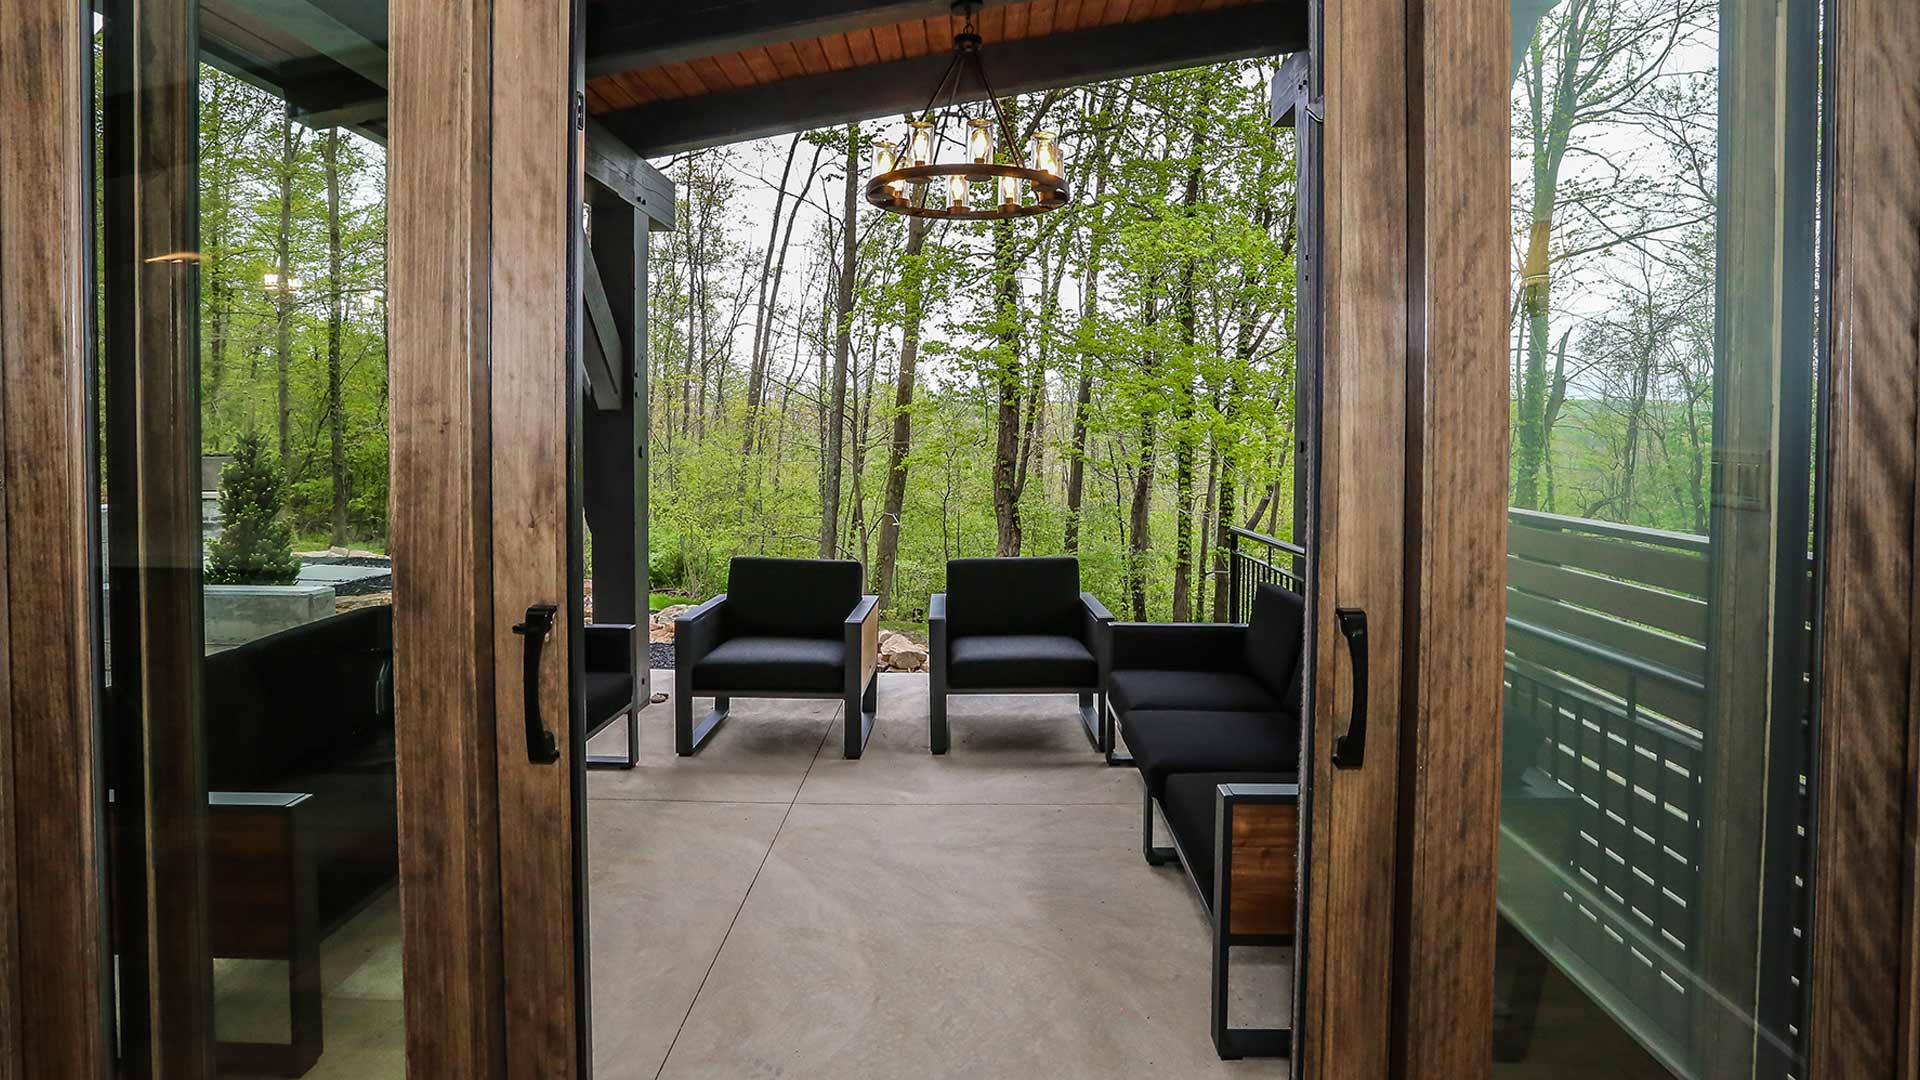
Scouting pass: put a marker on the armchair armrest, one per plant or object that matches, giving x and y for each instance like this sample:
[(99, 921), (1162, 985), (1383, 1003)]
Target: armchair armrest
[(862, 635), (1095, 620), (610, 647), (1177, 646), (1256, 829), (937, 640), (696, 633)]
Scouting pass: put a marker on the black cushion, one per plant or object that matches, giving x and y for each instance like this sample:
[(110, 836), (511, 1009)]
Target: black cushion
[(795, 598), (1014, 596), (779, 664), (1192, 690), (296, 700), (608, 694), (1164, 743), (1188, 803), (1275, 632), (1020, 661)]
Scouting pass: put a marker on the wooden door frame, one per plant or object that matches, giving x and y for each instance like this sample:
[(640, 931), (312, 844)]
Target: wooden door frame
[(53, 1006)]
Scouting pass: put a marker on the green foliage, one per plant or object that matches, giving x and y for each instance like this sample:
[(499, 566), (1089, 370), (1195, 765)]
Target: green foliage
[(255, 547)]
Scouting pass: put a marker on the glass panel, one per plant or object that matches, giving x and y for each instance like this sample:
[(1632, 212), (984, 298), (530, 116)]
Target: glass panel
[(1661, 612), (248, 596)]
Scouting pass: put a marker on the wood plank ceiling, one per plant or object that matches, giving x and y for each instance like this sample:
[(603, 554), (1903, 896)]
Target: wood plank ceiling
[(908, 40)]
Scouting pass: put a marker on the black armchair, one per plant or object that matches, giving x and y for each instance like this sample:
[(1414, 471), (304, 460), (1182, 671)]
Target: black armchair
[(1015, 626), (613, 674), (785, 628)]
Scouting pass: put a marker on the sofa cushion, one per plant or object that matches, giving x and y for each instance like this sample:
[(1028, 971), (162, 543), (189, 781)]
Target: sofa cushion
[(1275, 632), (1191, 690), (1020, 662), (1168, 742), (790, 598), (608, 694), (779, 664), (1014, 596), (1188, 804)]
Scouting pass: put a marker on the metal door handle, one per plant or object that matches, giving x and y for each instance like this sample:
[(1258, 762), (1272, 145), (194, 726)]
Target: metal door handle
[(543, 748), (1350, 750)]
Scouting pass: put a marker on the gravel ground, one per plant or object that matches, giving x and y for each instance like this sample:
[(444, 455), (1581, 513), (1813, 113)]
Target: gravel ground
[(660, 654)]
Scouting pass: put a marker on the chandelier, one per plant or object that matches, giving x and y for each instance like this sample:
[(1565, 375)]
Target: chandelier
[(909, 177)]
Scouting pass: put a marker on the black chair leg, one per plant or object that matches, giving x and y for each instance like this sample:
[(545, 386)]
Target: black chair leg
[(1091, 706), (937, 733), (860, 712), (628, 760), (1109, 734), (1156, 856), (1233, 1043), (687, 739)]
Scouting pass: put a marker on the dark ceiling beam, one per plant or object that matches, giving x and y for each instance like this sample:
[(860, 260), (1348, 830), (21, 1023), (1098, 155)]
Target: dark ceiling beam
[(1109, 52), (629, 35), (622, 170)]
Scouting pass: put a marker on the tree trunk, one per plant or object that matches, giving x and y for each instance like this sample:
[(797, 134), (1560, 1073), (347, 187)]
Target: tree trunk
[(1007, 385), (336, 409), (896, 488), (1183, 440), (1139, 518), (283, 293), (842, 346)]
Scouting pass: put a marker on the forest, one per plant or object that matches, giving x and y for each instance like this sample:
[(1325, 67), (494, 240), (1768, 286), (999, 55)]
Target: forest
[(1114, 379)]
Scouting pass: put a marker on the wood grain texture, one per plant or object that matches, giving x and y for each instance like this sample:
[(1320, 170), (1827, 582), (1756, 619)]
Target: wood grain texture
[(1457, 526), (438, 169), (534, 220), (1359, 536), (1866, 937), (52, 1020), (1266, 848)]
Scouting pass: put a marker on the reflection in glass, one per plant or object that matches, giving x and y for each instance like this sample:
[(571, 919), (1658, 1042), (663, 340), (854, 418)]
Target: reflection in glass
[(1661, 614), (249, 652)]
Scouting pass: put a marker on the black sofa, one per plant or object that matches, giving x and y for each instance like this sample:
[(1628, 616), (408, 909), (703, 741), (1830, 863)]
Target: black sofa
[(302, 823), (1212, 716), (1016, 626), (785, 628)]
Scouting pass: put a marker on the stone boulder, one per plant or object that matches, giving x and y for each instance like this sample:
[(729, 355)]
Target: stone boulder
[(660, 623), (898, 652)]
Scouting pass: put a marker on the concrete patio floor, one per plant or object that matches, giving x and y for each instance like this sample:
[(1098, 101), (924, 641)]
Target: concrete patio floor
[(767, 908)]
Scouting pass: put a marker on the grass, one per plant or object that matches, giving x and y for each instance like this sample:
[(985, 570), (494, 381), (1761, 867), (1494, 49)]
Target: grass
[(662, 600)]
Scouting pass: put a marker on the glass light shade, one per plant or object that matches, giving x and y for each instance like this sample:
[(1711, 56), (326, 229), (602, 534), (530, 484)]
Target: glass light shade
[(958, 188), (920, 147), (1009, 191), (883, 163), (1046, 155), (979, 140)]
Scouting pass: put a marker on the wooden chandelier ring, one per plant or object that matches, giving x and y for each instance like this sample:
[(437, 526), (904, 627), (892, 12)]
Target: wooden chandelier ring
[(1052, 190)]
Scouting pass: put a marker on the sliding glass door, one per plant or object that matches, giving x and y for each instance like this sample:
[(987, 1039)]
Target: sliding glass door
[(1657, 810)]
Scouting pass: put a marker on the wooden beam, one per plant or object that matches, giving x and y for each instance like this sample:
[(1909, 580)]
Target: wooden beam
[(53, 1008), (1866, 886), (623, 171), (1457, 481), (629, 37), (444, 722), (667, 127), (605, 357)]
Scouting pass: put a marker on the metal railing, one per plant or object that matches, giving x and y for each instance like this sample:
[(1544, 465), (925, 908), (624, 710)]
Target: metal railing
[(1605, 745), (1255, 559)]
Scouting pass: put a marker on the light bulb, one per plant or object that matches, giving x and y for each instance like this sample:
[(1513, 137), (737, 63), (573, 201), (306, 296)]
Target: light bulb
[(883, 164), (1009, 191), (957, 192), (920, 148), (979, 140), (1046, 156)]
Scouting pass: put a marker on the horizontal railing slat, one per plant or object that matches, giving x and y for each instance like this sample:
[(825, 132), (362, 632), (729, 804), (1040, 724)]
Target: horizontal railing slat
[(1684, 616), (1686, 657), (1665, 568)]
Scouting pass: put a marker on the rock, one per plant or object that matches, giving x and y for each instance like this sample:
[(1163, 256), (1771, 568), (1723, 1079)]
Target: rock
[(660, 623), (898, 652)]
